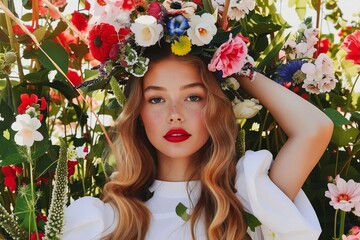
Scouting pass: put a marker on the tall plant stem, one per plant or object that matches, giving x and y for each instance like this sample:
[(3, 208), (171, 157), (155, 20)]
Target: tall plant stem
[(342, 223), (32, 189), (335, 217)]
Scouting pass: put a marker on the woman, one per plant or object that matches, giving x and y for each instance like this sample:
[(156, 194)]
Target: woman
[(177, 173)]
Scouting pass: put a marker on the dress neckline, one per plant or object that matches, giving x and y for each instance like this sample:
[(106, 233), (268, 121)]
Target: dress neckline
[(175, 189)]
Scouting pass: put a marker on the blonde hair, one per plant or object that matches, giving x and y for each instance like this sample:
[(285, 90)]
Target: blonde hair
[(136, 164)]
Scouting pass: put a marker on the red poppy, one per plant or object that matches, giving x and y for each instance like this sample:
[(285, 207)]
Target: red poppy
[(71, 167), (31, 101), (352, 46), (74, 78), (102, 37), (324, 45), (79, 21), (10, 174)]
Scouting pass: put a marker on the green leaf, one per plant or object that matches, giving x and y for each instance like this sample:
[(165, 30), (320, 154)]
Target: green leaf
[(119, 94), (24, 209), (272, 50), (337, 118), (56, 52), (181, 211), (208, 6), (9, 152), (40, 33), (252, 221), (222, 36), (343, 137), (300, 7)]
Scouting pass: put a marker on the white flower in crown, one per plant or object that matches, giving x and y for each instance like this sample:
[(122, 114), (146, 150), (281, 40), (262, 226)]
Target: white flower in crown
[(26, 127), (238, 9), (202, 29), (147, 31)]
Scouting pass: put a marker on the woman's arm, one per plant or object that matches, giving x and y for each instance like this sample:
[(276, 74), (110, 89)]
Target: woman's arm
[(308, 129)]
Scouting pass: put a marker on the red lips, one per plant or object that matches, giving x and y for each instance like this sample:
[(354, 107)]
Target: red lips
[(177, 135)]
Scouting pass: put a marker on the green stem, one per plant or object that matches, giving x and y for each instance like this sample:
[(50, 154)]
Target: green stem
[(335, 217), (32, 190), (262, 129), (342, 223)]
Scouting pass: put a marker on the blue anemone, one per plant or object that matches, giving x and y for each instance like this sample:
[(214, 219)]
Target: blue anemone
[(285, 72), (177, 25)]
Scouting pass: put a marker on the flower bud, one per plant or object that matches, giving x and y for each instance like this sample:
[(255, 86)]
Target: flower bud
[(232, 83), (247, 109), (10, 57)]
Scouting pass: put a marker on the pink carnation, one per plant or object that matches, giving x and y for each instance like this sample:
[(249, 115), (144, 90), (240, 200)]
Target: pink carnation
[(344, 195), (230, 56)]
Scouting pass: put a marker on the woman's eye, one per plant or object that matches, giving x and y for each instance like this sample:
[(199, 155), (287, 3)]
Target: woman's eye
[(193, 98), (156, 100)]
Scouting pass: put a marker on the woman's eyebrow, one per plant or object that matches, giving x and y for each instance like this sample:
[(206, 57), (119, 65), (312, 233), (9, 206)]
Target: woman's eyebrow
[(152, 87), (187, 86), (192, 85)]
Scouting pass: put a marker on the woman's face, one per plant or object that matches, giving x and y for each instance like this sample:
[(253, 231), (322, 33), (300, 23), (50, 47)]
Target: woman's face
[(174, 99)]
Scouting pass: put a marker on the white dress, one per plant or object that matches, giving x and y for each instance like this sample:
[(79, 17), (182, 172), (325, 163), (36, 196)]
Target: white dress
[(281, 219)]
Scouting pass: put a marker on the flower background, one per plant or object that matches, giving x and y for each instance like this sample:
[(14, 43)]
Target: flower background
[(53, 136)]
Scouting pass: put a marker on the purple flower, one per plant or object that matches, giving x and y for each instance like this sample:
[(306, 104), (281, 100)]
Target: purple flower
[(177, 25)]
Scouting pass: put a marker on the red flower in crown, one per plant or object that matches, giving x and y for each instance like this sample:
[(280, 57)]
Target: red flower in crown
[(352, 46), (10, 174), (102, 37), (79, 21)]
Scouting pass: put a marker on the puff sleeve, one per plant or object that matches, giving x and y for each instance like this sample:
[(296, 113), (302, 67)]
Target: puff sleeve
[(88, 218), (281, 218)]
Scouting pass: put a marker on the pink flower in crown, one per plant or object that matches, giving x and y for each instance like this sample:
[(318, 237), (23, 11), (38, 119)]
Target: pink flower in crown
[(344, 195), (230, 56)]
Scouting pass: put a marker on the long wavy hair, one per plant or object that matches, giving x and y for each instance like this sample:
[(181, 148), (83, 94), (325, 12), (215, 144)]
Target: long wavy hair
[(136, 164)]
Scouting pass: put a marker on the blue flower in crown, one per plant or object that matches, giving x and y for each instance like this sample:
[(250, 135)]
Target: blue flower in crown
[(177, 25)]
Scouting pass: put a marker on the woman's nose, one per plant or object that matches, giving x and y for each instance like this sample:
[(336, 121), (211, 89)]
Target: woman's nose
[(175, 115)]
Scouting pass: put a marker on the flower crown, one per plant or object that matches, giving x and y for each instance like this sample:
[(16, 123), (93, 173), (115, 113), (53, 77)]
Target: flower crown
[(123, 29)]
